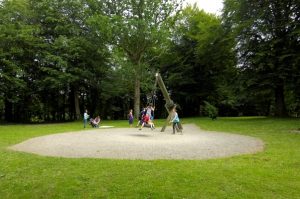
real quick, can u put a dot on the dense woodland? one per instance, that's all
(60, 57)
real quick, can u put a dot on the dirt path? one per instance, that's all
(130, 143)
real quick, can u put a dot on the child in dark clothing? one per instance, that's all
(141, 116)
(130, 118)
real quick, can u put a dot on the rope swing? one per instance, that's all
(152, 97)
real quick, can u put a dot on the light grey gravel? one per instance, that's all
(130, 143)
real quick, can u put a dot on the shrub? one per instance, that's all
(210, 110)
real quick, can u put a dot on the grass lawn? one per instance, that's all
(274, 173)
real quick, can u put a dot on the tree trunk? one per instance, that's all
(137, 95)
(280, 109)
(8, 111)
(77, 108)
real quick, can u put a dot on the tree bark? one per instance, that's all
(71, 104)
(137, 95)
(8, 111)
(77, 108)
(280, 109)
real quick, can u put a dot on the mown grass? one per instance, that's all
(273, 173)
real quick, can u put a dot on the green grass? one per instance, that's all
(273, 173)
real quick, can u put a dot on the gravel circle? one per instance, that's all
(130, 143)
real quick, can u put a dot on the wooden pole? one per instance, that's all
(168, 100)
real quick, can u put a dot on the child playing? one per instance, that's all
(96, 122)
(175, 121)
(141, 116)
(85, 118)
(130, 117)
(147, 121)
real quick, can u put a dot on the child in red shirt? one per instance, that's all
(146, 120)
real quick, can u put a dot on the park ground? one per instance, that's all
(273, 173)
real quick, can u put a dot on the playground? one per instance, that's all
(149, 99)
(128, 143)
(270, 173)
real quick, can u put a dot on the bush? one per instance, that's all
(210, 110)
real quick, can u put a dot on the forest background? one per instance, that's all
(58, 58)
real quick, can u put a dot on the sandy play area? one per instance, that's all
(130, 143)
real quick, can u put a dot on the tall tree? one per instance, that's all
(18, 44)
(267, 35)
(137, 26)
(51, 63)
(201, 62)
(73, 61)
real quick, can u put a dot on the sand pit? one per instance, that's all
(130, 143)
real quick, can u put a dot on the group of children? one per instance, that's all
(146, 118)
(93, 122)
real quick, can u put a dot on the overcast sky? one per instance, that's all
(212, 6)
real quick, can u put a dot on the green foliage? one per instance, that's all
(18, 44)
(267, 43)
(59, 57)
(138, 28)
(201, 62)
(56, 59)
(210, 110)
(273, 173)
